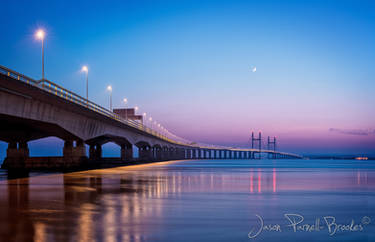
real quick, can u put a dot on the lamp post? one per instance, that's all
(135, 112)
(150, 119)
(86, 70)
(143, 119)
(40, 34)
(125, 100)
(109, 88)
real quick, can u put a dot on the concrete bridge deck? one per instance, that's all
(31, 110)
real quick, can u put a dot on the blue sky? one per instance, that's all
(188, 64)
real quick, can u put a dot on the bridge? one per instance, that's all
(34, 109)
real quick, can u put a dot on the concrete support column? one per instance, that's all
(175, 154)
(153, 153)
(99, 151)
(68, 148)
(145, 153)
(182, 154)
(126, 152)
(188, 153)
(95, 151)
(22, 151)
(199, 154)
(158, 153)
(74, 155)
(165, 154)
(171, 154)
(92, 152)
(80, 149)
(70, 151)
(16, 156)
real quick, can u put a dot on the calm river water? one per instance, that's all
(200, 200)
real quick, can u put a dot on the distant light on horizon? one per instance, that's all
(254, 69)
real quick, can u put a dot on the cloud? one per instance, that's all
(354, 131)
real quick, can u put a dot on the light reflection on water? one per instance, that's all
(203, 200)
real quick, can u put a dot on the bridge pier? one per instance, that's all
(126, 152)
(176, 154)
(189, 154)
(208, 154)
(172, 153)
(74, 156)
(164, 153)
(216, 155)
(17, 153)
(145, 153)
(95, 152)
(182, 153)
(198, 154)
(158, 153)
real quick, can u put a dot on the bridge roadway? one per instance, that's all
(31, 110)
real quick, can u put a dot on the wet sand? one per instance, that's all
(202, 200)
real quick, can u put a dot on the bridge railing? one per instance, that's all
(63, 93)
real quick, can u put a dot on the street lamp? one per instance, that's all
(144, 117)
(109, 88)
(40, 34)
(125, 100)
(150, 119)
(86, 70)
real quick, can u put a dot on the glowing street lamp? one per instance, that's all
(40, 34)
(86, 70)
(109, 88)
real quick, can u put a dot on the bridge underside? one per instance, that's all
(21, 129)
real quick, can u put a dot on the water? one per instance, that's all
(202, 200)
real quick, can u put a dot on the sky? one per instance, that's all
(189, 64)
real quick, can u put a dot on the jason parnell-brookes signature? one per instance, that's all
(295, 223)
